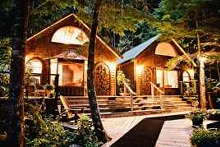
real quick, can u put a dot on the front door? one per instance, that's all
(102, 79)
(145, 79)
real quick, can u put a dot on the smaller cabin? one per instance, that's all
(146, 64)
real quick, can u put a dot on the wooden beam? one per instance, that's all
(182, 50)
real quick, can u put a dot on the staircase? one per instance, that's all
(120, 106)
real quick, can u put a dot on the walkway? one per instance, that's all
(175, 133)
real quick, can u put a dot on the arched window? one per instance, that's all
(70, 35)
(165, 49)
(34, 66)
(186, 76)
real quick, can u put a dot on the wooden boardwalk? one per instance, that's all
(117, 127)
(175, 133)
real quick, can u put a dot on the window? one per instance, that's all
(70, 35)
(167, 79)
(34, 66)
(165, 49)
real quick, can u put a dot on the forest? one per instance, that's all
(122, 24)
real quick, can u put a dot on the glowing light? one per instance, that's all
(70, 35)
(191, 73)
(112, 66)
(139, 69)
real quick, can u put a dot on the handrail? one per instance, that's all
(153, 86)
(129, 88)
(158, 89)
(131, 93)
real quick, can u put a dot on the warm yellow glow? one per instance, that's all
(34, 65)
(139, 69)
(191, 73)
(70, 35)
(112, 66)
(53, 66)
(165, 49)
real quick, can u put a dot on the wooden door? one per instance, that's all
(102, 79)
(145, 79)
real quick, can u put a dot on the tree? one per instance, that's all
(95, 114)
(194, 19)
(16, 101)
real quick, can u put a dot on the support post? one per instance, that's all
(57, 94)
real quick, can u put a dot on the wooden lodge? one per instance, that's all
(57, 57)
(62, 50)
(145, 65)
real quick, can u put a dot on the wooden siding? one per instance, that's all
(41, 47)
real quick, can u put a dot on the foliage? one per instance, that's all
(213, 114)
(85, 135)
(197, 117)
(203, 138)
(40, 131)
(212, 84)
(49, 87)
(5, 55)
(120, 77)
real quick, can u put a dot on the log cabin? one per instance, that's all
(145, 65)
(62, 49)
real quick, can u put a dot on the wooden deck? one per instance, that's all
(175, 133)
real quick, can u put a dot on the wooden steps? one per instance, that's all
(118, 106)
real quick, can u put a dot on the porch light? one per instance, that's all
(139, 69)
(112, 66)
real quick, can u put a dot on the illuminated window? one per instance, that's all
(186, 76)
(70, 35)
(159, 77)
(167, 79)
(34, 65)
(165, 49)
(171, 79)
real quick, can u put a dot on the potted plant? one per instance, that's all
(49, 88)
(197, 117)
(120, 81)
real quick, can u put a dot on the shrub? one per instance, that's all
(205, 138)
(40, 131)
(85, 135)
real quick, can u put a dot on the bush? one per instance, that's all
(85, 135)
(40, 131)
(205, 138)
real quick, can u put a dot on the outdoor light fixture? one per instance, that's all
(112, 66)
(139, 69)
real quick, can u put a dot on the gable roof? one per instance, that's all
(133, 53)
(116, 53)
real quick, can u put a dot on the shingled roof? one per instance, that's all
(134, 52)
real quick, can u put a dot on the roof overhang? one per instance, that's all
(117, 54)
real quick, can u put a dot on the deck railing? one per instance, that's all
(130, 92)
(161, 93)
(188, 88)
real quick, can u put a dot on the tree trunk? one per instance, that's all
(95, 113)
(202, 88)
(16, 101)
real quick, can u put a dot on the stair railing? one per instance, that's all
(161, 93)
(130, 92)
